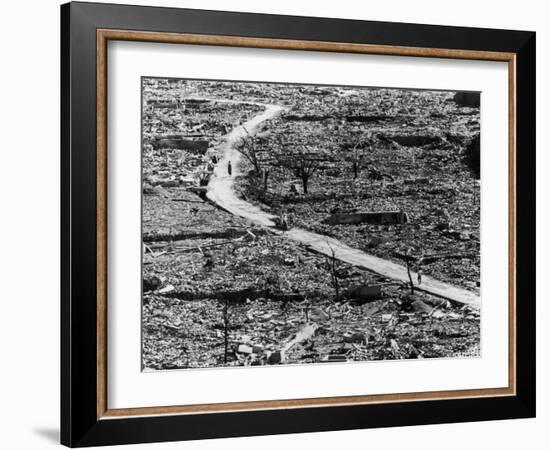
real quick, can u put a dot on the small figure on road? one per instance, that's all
(284, 222)
(229, 168)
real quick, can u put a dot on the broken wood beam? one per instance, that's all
(305, 333)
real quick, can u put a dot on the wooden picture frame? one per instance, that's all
(86, 418)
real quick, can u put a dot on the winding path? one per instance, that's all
(220, 191)
(220, 188)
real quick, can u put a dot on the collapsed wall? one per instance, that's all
(180, 143)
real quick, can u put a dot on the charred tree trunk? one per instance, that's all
(335, 279)
(305, 180)
(334, 273)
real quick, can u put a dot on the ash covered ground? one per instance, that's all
(391, 172)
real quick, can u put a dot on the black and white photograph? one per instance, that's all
(275, 225)
(294, 224)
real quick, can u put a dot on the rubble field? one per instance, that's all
(414, 161)
(220, 291)
(263, 289)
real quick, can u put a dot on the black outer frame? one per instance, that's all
(79, 424)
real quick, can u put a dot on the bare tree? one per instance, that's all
(411, 284)
(303, 162)
(358, 153)
(333, 267)
(249, 147)
(265, 177)
(411, 262)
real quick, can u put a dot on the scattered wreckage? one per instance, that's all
(218, 291)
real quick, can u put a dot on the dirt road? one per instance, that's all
(221, 192)
(220, 187)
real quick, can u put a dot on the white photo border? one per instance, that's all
(128, 387)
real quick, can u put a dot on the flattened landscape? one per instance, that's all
(290, 224)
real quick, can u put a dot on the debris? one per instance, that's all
(318, 315)
(151, 283)
(275, 358)
(420, 307)
(358, 338)
(375, 241)
(394, 346)
(245, 349)
(304, 334)
(365, 293)
(421, 180)
(413, 161)
(334, 358)
(437, 302)
(376, 218)
(180, 143)
(437, 314)
(245, 339)
(167, 289)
